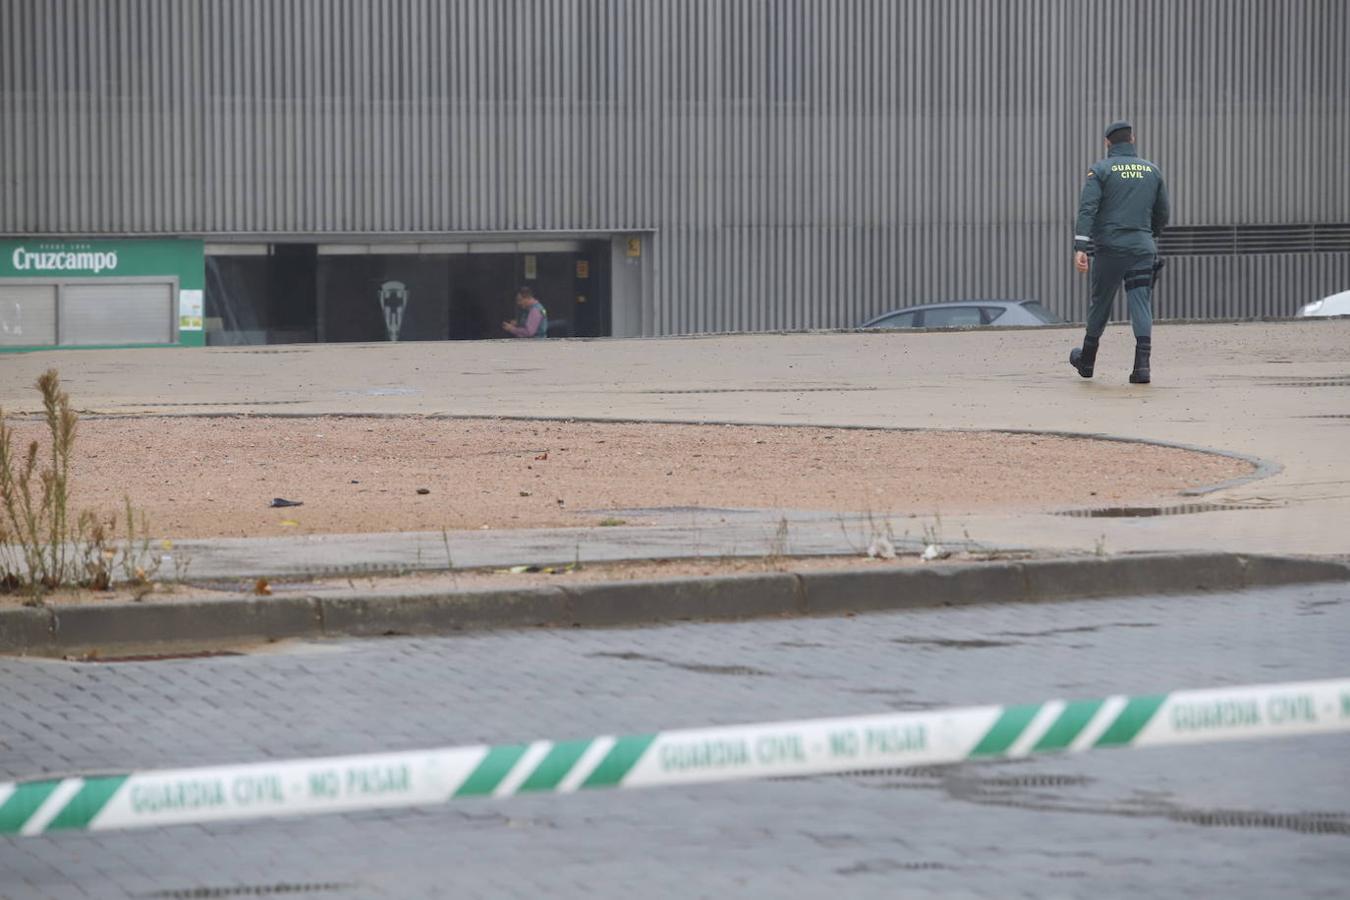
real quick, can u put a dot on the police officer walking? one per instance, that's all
(1122, 208)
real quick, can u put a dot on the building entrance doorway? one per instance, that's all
(404, 292)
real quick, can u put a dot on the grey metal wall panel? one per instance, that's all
(805, 163)
(1202, 287)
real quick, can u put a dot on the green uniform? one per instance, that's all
(1122, 208)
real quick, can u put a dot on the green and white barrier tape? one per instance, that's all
(690, 756)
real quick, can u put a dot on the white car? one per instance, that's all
(1335, 305)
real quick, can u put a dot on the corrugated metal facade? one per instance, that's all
(802, 163)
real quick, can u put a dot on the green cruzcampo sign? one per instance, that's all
(70, 262)
(52, 260)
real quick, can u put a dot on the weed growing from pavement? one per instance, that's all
(445, 541)
(878, 539)
(778, 544)
(932, 533)
(41, 548)
(932, 540)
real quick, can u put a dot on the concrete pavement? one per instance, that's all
(1279, 392)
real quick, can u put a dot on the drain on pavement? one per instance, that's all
(882, 866)
(247, 890)
(1143, 512)
(1306, 823)
(1335, 381)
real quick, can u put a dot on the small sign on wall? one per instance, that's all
(531, 267)
(189, 310)
(583, 268)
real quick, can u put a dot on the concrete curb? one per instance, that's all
(168, 628)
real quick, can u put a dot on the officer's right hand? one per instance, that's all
(1080, 261)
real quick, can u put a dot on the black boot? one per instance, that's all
(1143, 347)
(1085, 357)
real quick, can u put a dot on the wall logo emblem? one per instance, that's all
(393, 296)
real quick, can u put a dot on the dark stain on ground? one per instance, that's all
(803, 645)
(953, 643)
(1079, 629)
(898, 700)
(95, 657)
(1032, 792)
(701, 668)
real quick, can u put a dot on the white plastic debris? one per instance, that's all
(880, 548)
(934, 551)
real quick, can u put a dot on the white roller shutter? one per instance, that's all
(27, 315)
(117, 314)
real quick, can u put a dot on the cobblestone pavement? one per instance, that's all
(1255, 819)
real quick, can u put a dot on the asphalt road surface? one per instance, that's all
(1257, 819)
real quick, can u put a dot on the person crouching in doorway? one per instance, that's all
(531, 319)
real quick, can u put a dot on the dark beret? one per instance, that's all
(1116, 126)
